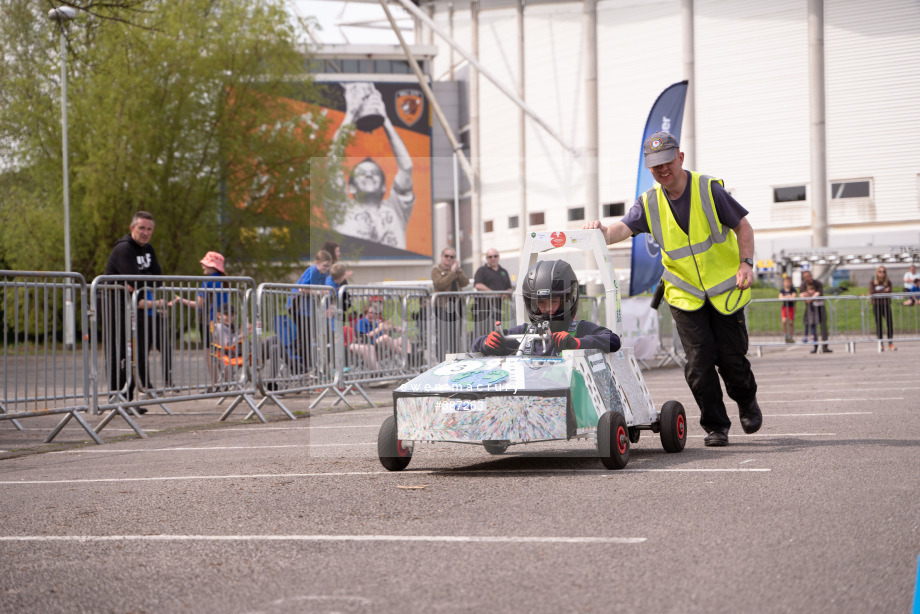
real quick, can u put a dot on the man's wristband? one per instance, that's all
(749, 261)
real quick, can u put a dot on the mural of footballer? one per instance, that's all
(369, 215)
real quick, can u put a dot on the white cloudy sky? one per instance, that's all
(333, 15)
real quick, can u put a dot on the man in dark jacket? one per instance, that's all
(134, 255)
(550, 295)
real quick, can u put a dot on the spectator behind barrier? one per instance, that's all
(880, 290)
(447, 276)
(815, 312)
(490, 277)
(227, 346)
(134, 255)
(209, 303)
(372, 337)
(299, 305)
(911, 284)
(787, 310)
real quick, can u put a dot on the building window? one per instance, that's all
(487, 226)
(537, 218)
(613, 209)
(513, 221)
(391, 67)
(851, 189)
(576, 214)
(351, 66)
(789, 194)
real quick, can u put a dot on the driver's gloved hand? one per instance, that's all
(565, 341)
(496, 345)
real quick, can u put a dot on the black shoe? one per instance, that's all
(751, 417)
(826, 349)
(716, 439)
(814, 350)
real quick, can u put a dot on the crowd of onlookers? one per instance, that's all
(368, 327)
(815, 313)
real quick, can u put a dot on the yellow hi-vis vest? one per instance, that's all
(702, 264)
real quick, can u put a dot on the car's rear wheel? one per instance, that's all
(613, 440)
(673, 421)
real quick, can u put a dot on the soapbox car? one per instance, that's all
(497, 401)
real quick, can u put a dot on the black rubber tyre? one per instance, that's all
(393, 455)
(496, 446)
(673, 423)
(613, 440)
(634, 433)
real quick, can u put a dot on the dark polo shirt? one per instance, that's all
(494, 280)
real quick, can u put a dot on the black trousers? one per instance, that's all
(882, 313)
(716, 344)
(116, 340)
(152, 332)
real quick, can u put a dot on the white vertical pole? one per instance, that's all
(818, 195)
(592, 189)
(522, 125)
(688, 130)
(450, 22)
(592, 198)
(69, 324)
(456, 207)
(475, 196)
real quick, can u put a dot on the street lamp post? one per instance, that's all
(61, 16)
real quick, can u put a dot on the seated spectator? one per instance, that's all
(227, 346)
(550, 295)
(912, 285)
(372, 338)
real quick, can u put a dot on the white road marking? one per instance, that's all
(298, 428)
(491, 539)
(444, 472)
(777, 435)
(210, 448)
(355, 412)
(806, 401)
(838, 413)
(761, 398)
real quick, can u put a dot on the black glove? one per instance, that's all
(565, 341)
(495, 344)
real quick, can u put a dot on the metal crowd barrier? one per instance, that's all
(828, 317)
(849, 320)
(905, 318)
(171, 339)
(670, 348)
(385, 335)
(298, 341)
(44, 372)
(459, 318)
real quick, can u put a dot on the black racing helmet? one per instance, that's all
(551, 279)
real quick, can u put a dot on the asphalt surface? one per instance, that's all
(818, 512)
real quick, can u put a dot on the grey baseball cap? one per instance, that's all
(659, 148)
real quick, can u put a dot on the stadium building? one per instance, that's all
(550, 99)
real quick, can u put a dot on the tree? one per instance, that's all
(198, 111)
